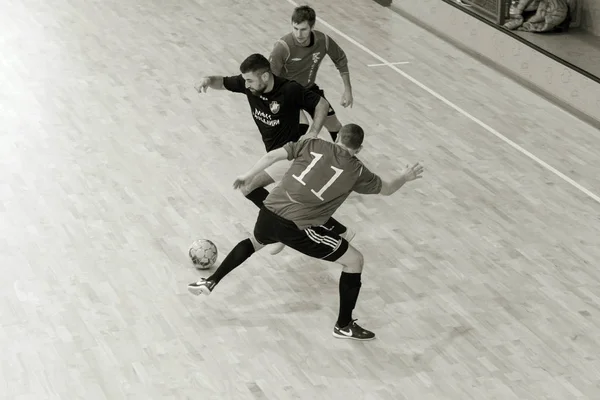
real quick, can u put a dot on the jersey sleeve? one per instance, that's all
(234, 83)
(294, 149)
(278, 57)
(338, 56)
(302, 97)
(367, 182)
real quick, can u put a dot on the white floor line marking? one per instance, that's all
(388, 64)
(460, 110)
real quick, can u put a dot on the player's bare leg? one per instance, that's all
(304, 123)
(255, 192)
(350, 282)
(333, 126)
(240, 253)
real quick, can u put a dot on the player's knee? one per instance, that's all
(353, 261)
(360, 262)
(333, 124)
(257, 245)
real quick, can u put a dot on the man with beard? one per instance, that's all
(275, 104)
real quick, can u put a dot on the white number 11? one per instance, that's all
(310, 166)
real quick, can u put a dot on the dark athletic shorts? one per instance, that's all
(316, 241)
(315, 88)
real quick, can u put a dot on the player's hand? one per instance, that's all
(309, 135)
(202, 85)
(412, 173)
(347, 99)
(240, 181)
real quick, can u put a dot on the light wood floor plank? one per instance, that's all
(481, 280)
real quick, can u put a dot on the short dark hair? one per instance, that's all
(256, 63)
(304, 13)
(352, 136)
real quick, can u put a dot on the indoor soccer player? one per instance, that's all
(298, 55)
(275, 104)
(321, 177)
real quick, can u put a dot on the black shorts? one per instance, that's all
(316, 241)
(315, 88)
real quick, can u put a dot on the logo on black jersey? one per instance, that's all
(274, 106)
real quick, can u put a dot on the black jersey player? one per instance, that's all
(275, 104)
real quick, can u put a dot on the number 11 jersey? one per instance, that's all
(320, 179)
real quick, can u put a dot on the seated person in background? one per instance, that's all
(550, 15)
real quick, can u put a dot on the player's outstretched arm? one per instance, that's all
(213, 82)
(409, 174)
(266, 161)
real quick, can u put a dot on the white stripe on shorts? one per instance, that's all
(326, 240)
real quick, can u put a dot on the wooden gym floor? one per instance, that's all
(481, 280)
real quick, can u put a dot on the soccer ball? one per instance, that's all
(203, 253)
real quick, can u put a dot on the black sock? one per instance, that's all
(333, 135)
(303, 129)
(257, 196)
(335, 226)
(240, 253)
(349, 288)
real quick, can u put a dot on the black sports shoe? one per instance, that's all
(203, 286)
(352, 331)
